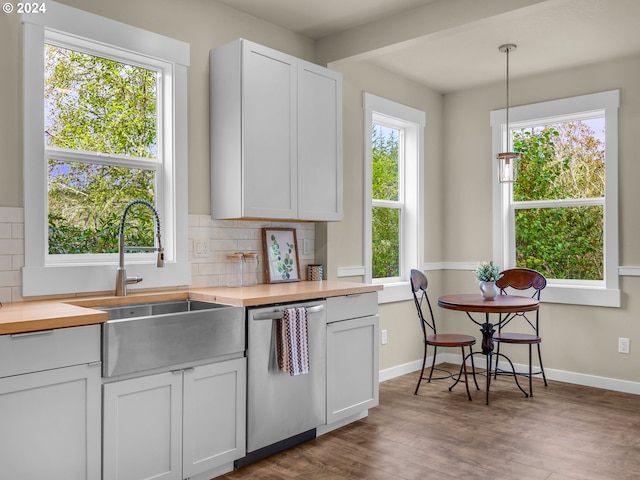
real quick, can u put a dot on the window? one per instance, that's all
(387, 202)
(393, 195)
(101, 130)
(105, 123)
(560, 217)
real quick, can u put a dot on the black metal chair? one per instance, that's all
(521, 279)
(419, 285)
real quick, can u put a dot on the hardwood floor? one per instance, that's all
(565, 432)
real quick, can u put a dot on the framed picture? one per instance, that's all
(281, 254)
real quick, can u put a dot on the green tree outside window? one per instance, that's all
(94, 104)
(560, 162)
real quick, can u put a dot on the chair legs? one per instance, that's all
(424, 361)
(433, 363)
(463, 369)
(544, 377)
(530, 374)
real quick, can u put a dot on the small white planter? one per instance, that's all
(489, 290)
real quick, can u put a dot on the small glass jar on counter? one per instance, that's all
(249, 269)
(234, 269)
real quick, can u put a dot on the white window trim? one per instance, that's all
(413, 122)
(605, 293)
(38, 278)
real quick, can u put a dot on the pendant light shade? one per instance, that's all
(507, 161)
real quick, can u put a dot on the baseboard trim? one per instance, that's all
(594, 381)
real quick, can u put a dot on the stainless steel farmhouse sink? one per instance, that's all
(162, 335)
(157, 308)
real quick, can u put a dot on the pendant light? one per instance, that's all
(507, 161)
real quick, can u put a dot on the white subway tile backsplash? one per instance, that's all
(5, 230)
(9, 278)
(5, 262)
(17, 230)
(227, 236)
(5, 295)
(11, 253)
(17, 262)
(11, 246)
(12, 214)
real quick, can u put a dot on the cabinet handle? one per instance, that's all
(32, 334)
(183, 370)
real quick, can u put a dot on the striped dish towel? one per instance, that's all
(293, 341)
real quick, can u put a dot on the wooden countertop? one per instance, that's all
(21, 317)
(264, 294)
(29, 316)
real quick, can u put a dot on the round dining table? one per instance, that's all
(502, 305)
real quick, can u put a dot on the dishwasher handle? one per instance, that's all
(277, 314)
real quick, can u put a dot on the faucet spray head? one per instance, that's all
(160, 262)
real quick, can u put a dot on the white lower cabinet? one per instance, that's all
(352, 355)
(50, 419)
(214, 421)
(175, 425)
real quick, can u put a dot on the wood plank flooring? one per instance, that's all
(565, 432)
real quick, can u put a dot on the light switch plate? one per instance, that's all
(201, 248)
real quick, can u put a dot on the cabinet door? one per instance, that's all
(352, 367)
(319, 143)
(142, 428)
(214, 415)
(269, 133)
(50, 424)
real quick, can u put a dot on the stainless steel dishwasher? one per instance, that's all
(283, 410)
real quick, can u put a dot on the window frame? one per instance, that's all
(74, 28)
(579, 292)
(412, 121)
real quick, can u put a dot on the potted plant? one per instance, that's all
(487, 274)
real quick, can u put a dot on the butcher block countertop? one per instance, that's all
(29, 316)
(264, 294)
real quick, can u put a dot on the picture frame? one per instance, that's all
(281, 254)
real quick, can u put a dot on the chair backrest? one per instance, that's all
(419, 283)
(522, 279)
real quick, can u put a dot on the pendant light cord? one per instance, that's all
(507, 146)
(506, 48)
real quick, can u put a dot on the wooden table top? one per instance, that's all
(473, 302)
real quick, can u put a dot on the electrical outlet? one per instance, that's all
(201, 248)
(623, 345)
(383, 337)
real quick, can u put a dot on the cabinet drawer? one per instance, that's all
(48, 349)
(352, 306)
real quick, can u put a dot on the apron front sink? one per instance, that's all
(163, 335)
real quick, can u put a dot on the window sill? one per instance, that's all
(394, 292)
(590, 296)
(58, 280)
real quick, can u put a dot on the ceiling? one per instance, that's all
(450, 45)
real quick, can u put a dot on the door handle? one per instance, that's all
(277, 314)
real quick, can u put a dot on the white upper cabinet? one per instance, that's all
(276, 135)
(319, 143)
